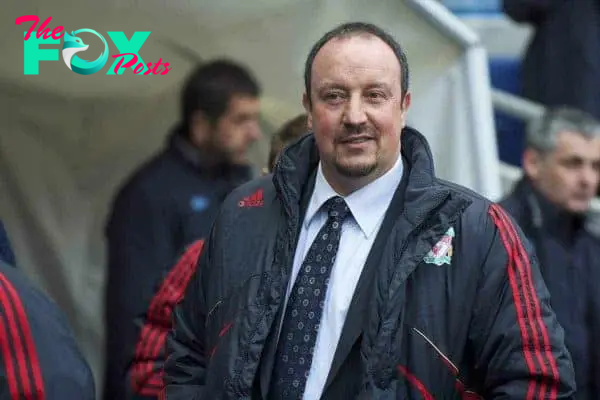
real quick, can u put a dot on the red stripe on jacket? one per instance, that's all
(413, 380)
(519, 267)
(18, 347)
(144, 379)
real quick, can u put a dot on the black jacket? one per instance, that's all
(39, 357)
(562, 60)
(6, 252)
(570, 264)
(168, 203)
(415, 329)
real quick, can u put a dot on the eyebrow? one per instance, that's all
(332, 85)
(380, 85)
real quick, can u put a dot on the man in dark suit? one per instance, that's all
(353, 272)
(551, 203)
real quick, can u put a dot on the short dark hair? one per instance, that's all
(292, 130)
(355, 29)
(210, 87)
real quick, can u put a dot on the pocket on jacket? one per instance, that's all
(225, 313)
(436, 368)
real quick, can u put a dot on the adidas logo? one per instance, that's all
(254, 200)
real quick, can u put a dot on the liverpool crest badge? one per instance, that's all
(441, 253)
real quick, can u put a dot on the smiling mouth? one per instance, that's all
(356, 140)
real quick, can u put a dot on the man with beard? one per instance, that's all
(353, 272)
(171, 202)
(562, 170)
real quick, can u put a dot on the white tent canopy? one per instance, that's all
(67, 140)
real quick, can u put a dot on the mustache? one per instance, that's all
(350, 132)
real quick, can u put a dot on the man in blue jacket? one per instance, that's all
(172, 200)
(353, 272)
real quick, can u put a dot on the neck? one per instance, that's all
(201, 155)
(212, 156)
(561, 222)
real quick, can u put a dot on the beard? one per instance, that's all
(356, 169)
(224, 154)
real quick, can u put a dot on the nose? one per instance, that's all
(354, 112)
(254, 132)
(589, 176)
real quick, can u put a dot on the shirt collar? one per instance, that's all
(368, 204)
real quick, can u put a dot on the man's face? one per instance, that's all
(237, 129)
(357, 111)
(569, 175)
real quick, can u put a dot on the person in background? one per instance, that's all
(561, 166)
(562, 61)
(6, 252)
(353, 272)
(172, 200)
(145, 372)
(291, 131)
(39, 357)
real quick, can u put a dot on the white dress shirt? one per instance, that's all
(368, 206)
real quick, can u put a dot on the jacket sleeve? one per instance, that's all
(517, 342)
(185, 366)
(145, 372)
(34, 334)
(140, 239)
(594, 325)
(20, 363)
(529, 11)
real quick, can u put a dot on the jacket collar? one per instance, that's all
(367, 204)
(422, 210)
(299, 162)
(547, 215)
(197, 159)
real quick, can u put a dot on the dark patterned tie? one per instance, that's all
(305, 306)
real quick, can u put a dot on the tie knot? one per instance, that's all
(337, 208)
